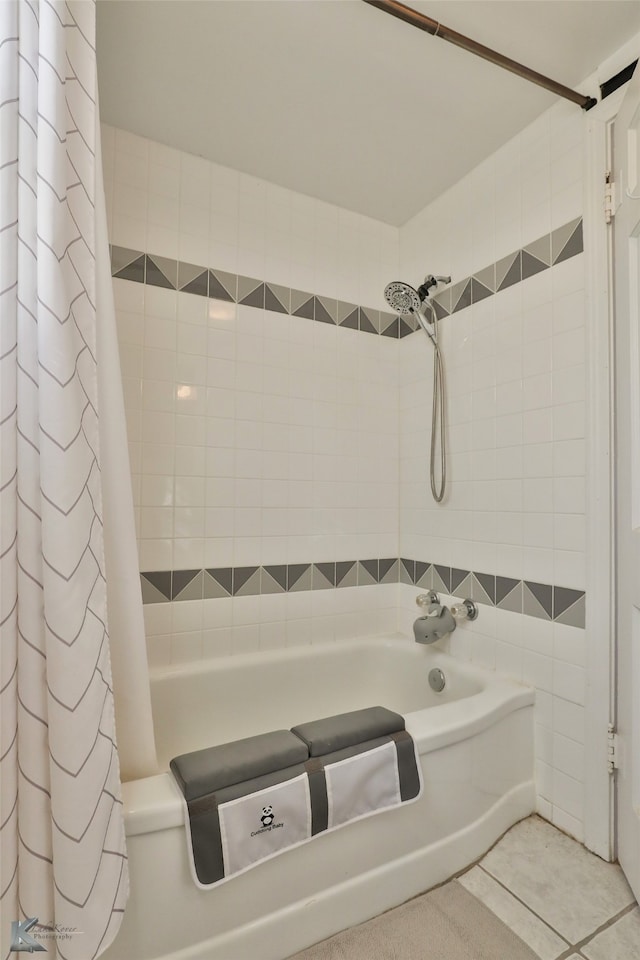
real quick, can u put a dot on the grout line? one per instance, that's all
(604, 926)
(560, 956)
(572, 948)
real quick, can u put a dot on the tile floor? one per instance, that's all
(563, 901)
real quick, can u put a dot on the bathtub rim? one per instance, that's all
(155, 803)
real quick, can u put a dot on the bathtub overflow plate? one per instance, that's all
(437, 680)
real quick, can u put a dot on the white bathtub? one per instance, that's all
(476, 745)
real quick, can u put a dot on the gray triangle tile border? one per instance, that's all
(346, 573)
(246, 581)
(531, 605)
(323, 576)
(407, 571)
(544, 601)
(122, 257)
(561, 235)
(367, 572)
(561, 244)
(273, 579)
(424, 575)
(161, 272)
(223, 286)
(150, 592)
(135, 270)
(513, 599)
(218, 582)
(298, 577)
(187, 585)
(277, 298)
(575, 615)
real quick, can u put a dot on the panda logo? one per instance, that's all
(267, 817)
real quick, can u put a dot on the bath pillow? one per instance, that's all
(347, 729)
(204, 771)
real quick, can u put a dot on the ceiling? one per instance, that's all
(337, 100)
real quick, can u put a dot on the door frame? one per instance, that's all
(600, 657)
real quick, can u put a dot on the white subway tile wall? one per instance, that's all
(263, 438)
(255, 437)
(515, 372)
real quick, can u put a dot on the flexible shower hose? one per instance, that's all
(437, 420)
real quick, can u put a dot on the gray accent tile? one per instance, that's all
(461, 295)
(487, 277)
(457, 578)
(161, 580)
(479, 291)
(442, 303)
(484, 588)
(512, 600)
(323, 576)
(223, 286)
(561, 236)
(246, 581)
(193, 279)
(302, 304)
(273, 579)
(543, 592)
(540, 249)
(441, 578)
(121, 257)
(347, 315)
(388, 570)
(504, 585)
(574, 616)
(298, 577)
(151, 593)
(367, 572)
(407, 571)
(218, 582)
(392, 331)
(326, 310)
(277, 298)
(508, 271)
(424, 575)
(573, 246)
(187, 585)
(465, 588)
(251, 292)
(405, 328)
(531, 605)
(161, 272)
(531, 265)
(133, 271)
(563, 597)
(368, 320)
(346, 573)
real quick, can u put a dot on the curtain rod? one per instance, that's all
(422, 22)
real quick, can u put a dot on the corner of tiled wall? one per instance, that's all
(513, 335)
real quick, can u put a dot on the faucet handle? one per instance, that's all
(427, 599)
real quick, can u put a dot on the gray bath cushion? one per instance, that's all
(204, 771)
(346, 729)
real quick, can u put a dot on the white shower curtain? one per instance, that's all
(62, 850)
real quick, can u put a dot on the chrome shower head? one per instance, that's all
(402, 298)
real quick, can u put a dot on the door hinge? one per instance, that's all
(613, 749)
(609, 199)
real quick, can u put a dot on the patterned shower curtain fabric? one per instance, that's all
(63, 871)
